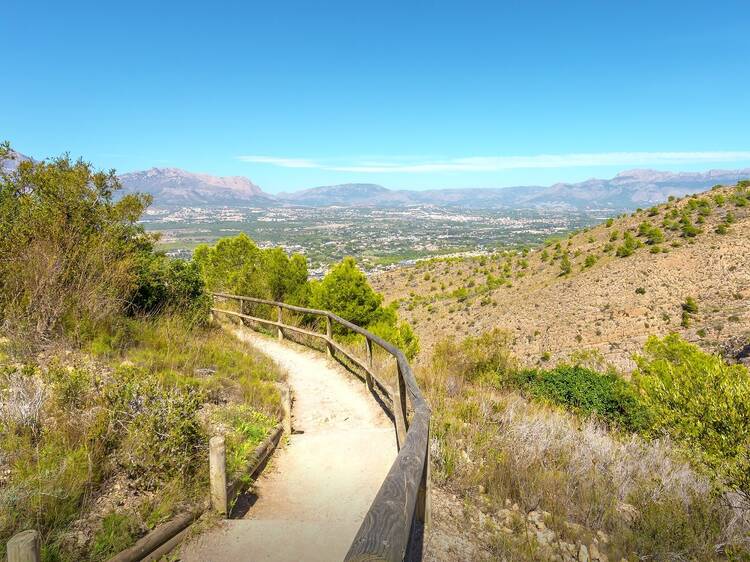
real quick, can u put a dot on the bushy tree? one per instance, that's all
(170, 285)
(68, 250)
(237, 265)
(346, 292)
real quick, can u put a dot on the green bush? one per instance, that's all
(237, 265)
(605, 395)
(346, 292)
(629, 245)
(160, 433)
(67, 249)
(702, 402)
(170, 285)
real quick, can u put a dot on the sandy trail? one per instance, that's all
(313, 496)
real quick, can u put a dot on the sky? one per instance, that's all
(406, 94)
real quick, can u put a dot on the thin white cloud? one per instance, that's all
(499, 163)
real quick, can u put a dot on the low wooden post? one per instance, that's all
(217, 465)
(280, 319)
(399, 409)
(329, 335)
(24, 547)
(368, 373)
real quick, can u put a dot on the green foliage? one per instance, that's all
(565, 266)
(629, 245)
(588, 392)
(67, 249)
(236, 265)
(690, 306)
(702, 402)
(653, 234)
(116, 534)
(689, 230)
(346, 292)
(157, 424)
(170, 285)
(399, 334)
(589, 261)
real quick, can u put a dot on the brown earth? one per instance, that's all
(597, 308)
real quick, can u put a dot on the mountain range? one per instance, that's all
(627, 190)
(174, 188)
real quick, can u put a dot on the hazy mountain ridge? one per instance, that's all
(174, 187)
(627, 190)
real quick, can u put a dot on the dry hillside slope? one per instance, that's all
(607, 302)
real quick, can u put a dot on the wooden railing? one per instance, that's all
(394, 526)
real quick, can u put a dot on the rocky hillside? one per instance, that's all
(172, 187)
(681, 266)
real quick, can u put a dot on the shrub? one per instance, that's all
(589, 261)
(161, 437)
(170, 285)
(565, 266)
(690, 306)
(67, 249)
(605, 395)
(484, 357)
(629, 245)
(702, 402)
(237, 265)
(346, 292)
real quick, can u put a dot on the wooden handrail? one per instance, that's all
(394, 525)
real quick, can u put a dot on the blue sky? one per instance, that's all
(406, 94)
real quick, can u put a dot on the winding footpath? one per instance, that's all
(320, 482)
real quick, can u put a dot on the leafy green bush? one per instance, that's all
(565, 266)
(237, 265)
(629, 245)
(67, 249)
(346, 292)
(605, 395)
(702, 402)
(170, 285)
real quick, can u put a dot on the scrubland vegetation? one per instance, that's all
(649, 468)
(111, 377)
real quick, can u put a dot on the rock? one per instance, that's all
(583, 553)
(628, 512)
(603, 537)
(595, 554)
(204, 372)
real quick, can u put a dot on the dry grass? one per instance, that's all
(494, 447)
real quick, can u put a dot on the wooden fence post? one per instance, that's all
(280, 319)
(24, 547)
(368, 375)
(217, 463)
(329, 335)
(399, 409)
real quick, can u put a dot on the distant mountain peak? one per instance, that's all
(177, 187)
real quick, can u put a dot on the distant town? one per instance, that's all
(380, 238)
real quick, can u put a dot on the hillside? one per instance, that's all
(613, 304)
(172, 187)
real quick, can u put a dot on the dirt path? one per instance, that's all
(314, 494)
